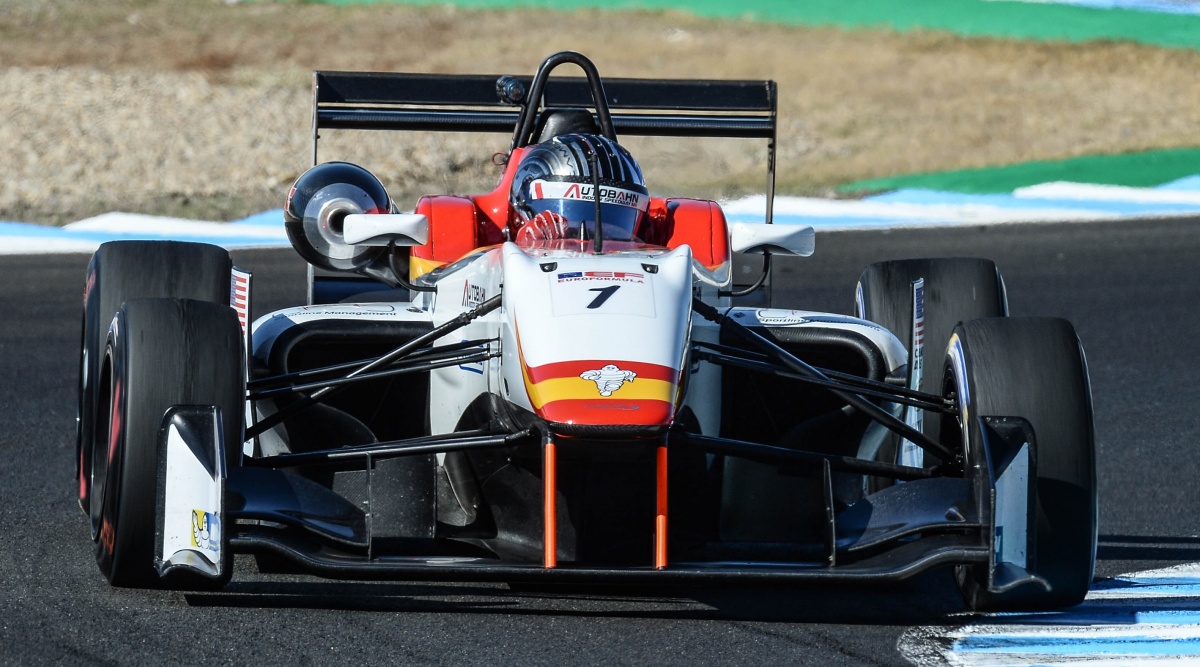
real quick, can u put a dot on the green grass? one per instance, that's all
(1133, 169)
(973, 18)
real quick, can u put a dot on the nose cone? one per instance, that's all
(599, 339)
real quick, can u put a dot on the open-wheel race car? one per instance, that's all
(559, 381)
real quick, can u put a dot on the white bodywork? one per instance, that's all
(581, 339)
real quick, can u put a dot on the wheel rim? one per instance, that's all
(955, 383)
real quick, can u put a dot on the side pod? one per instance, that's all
(189, 530)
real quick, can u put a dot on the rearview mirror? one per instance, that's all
(757, 238)
(380, 229)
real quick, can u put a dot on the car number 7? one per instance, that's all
(604, 294)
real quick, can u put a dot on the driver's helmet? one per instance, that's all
(554, 181)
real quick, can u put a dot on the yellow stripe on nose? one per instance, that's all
(577, 388)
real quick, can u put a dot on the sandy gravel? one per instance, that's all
(76, 133)
(82, 140)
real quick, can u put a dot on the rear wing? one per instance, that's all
(485, 103)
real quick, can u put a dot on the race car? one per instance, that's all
(559, 381)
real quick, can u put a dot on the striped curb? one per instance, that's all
(1144, 618)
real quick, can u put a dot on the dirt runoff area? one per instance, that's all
(201, 108)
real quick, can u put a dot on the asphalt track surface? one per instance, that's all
(1131, 288)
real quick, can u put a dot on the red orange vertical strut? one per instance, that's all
(660, 518)
(549, 506)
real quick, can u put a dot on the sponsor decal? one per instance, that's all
(613, 405)
(355, 307)
(83, 479)
(780, 317)
(607, 276)
(114, 424)
(586, 192)
(919, 314)
(910, 453)
(107, 535)
(609, 378)
(473, 295)
(206, 530)
(341, 310)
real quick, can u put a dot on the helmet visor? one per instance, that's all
(622, 206)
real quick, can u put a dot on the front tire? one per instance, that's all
(124, 270)
(1033, 368)
(159, 353)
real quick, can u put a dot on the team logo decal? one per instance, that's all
(540, 189)
(608, 276)
(206, 530)
(770, 317)
(609, 378)
(473, 295)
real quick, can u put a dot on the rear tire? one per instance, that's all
(159, 353)
(957, 289)
(1033, 368)
(124, 270)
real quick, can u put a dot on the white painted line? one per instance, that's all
(42, 246)
(261, 231)
(1156, 6)
(836, 215)
(135, 224)
(1092, 192)
(810, 206)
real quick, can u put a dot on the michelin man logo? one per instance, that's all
(608, 379)
(206, 530)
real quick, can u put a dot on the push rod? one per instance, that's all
(833, 383)
(846, 378)
(423, 365)
(885, 419)
(433, 334)
(309, 373)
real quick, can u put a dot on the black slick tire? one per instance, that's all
(124, 270)
(957, 289)
(158, 353)
(1033, 368)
